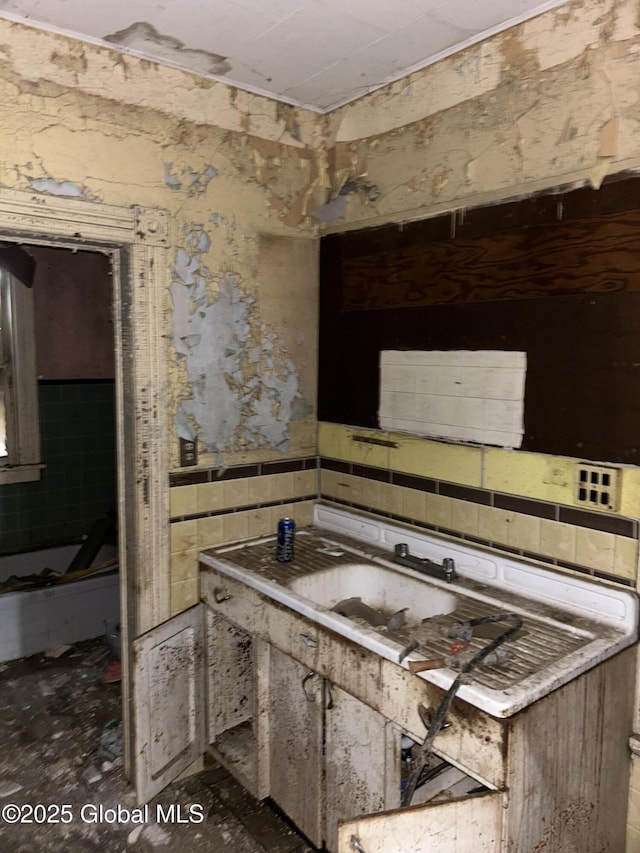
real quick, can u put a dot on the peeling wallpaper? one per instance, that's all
(242, 390)
(234, 172)
(553, 100)
(249, 183)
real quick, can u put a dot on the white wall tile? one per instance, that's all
(462, 395)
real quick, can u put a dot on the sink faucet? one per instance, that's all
(445, 570)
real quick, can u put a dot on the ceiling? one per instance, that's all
(312, 53)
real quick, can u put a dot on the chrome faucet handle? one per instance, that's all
(449, 567)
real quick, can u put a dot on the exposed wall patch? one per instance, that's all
(188, 179)
(170, 178)
(64, 189)
(73, 60)
(243, 389)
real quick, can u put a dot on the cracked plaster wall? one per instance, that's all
(237, 173)
(553, 100)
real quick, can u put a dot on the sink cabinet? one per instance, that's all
(332, 757)
(313, 720)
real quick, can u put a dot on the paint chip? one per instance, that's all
(64, 189)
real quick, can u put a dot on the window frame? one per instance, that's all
(19, 380)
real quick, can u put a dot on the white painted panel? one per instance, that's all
(295, 734)
(34, 620)
(169, 701)
(361, 762)
(475, 396)
(461, 826)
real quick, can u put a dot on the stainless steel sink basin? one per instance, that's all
(380, 588)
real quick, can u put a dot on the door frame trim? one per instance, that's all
(138, 240)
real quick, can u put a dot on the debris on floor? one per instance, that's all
(111, 740)
(57, 651)
(62, 783)
(113, 672)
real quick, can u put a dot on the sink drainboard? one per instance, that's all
(538, 645)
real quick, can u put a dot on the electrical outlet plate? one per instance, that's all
(188, 452)
(597, 486)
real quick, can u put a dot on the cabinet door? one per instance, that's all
(362, 761)
(235, 714)
(168, 700)
(295, 736)
(471, 823)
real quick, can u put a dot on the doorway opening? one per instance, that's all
(137, 240)
(58, 538)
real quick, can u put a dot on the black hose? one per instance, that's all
(445, 704)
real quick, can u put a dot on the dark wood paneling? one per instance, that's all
(581, 335)
(583, 375)
(596, 255)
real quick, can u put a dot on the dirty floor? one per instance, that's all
(62, 786)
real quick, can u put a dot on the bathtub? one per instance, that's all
(33, 621)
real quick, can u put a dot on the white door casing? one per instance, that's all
(137, 239)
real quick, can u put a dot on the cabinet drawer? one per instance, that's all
(233, 600)
(296, 636)
(352, 668)
(474, 740)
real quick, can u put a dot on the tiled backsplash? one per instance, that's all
(573, 539)
(213, 507)
(517, 502)
(78, 485)
(513, 501)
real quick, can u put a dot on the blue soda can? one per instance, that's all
(286, 533)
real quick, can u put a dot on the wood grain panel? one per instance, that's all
(74, 324)
(566, 293)
(596, 255)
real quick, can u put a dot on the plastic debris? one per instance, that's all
(111, 740)
(134, 835)
(8, 788)
(113, 672)
(107, 766)
(461, 631)
(329, 551)
(57, 651)
(397, 620)
(91, 775)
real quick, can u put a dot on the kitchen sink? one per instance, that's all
(379, 588)
(570, 623)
